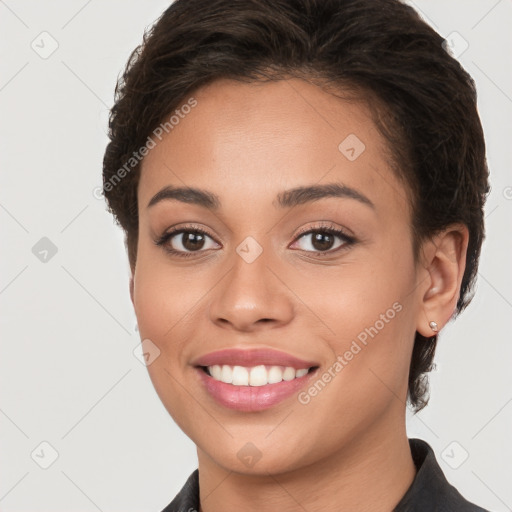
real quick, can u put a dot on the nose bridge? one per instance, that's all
(250, 292)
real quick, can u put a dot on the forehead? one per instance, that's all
(263, 137)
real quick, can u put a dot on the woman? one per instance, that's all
(301, 184)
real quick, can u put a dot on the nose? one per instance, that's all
(252, 296)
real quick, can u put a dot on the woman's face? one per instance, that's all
(271, 280)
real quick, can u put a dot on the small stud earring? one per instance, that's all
(433, 326)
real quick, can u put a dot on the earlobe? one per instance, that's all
(445, 266)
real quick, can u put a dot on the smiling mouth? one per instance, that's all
(259, 375)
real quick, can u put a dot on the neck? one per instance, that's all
(370, 474)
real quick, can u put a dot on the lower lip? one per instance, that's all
(252, 398)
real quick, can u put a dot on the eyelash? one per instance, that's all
(330, 229)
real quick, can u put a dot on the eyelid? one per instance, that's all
(326, 226)
(333, 230)
(175, 230)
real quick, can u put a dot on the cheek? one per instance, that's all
(369, 309)
(355, 295)
(164, 305)
(165, 299)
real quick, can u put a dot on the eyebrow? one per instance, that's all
(286, 199)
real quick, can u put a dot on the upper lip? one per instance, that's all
(252, 357)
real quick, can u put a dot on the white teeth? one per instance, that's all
(275, 375)
(258, 376)
(216, 371)
(255, 376)
(240, 376)
(289, 373)
(227, 374)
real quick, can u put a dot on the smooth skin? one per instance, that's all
(346, 449)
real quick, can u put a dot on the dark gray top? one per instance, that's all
(429, 492)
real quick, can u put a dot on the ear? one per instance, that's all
(444, 263)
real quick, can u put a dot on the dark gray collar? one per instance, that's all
(429, 492)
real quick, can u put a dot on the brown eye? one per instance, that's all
(324, 240)
(192, 241)
(186, 242)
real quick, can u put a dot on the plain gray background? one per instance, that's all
(68, 375)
